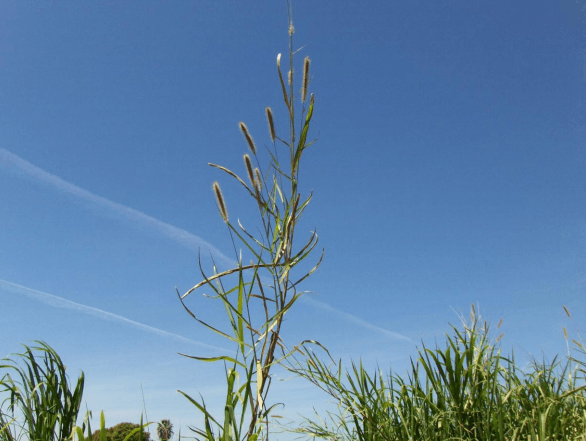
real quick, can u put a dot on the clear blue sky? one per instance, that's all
(450, 170)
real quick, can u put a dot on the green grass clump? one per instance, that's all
(39, 404)
(466, 390)
(39, 390)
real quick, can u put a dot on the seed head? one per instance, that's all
(290, 76)
(249, 140)
(249, 169)
(565, 333)
(271, 123)
(258, 179)
(291, 28)
(567, 312)
(220, 200)
(305, 78)
(500, 323)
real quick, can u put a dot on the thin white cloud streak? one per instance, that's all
(59, 302)
(352, 318)
(180, 236)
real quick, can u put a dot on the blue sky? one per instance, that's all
(449, 170)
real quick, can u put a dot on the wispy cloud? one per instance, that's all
(182, 237)
(352, 318)
(59, 302)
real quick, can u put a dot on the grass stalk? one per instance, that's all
(257, 296)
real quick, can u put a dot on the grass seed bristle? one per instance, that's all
(305, 78)
(271, 123)
(249, 140)
(221, 203)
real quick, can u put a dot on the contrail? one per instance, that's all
(180, 236)
(358, 321)
(59, 302)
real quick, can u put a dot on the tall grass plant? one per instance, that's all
(264, 284)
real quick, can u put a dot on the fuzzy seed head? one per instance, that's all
(565, 333)
(291, 28)
(249, 140)
(249, 171)
(290, 77)
(500, 323)
(271, 123)
(220, 200)
(305, 78)
(567, 312)
(258, 179)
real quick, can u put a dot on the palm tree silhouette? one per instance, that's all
(165, 430)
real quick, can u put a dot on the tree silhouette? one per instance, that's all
(165, 430)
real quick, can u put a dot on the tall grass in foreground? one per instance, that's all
(263, 286)
(464, 391)
(40, 405)
(41, 394)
